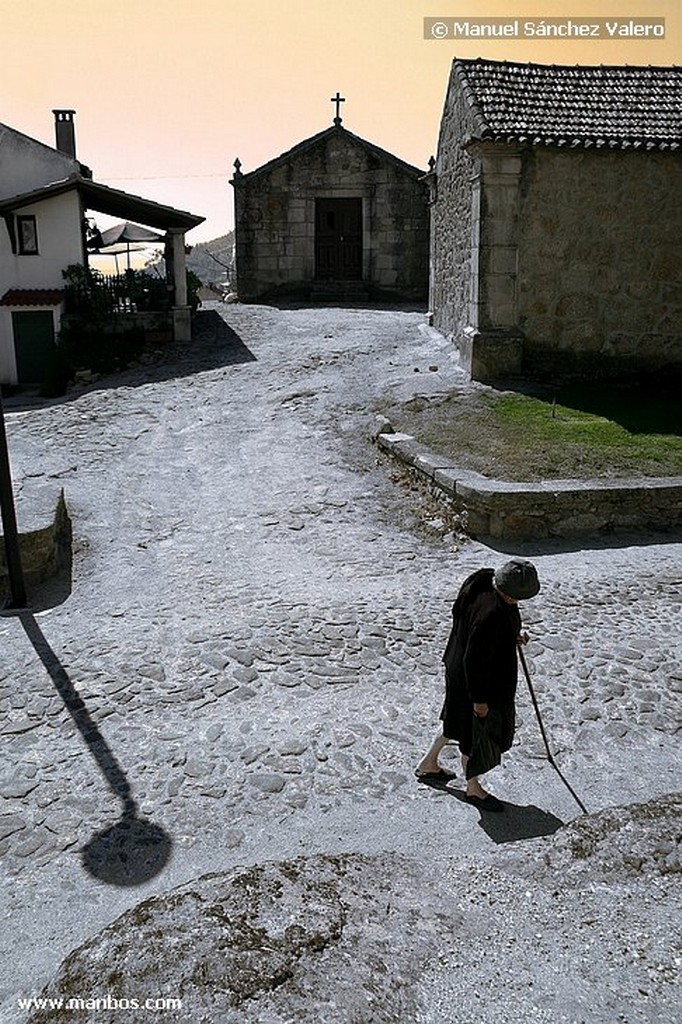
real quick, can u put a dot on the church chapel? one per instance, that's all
(335, 219)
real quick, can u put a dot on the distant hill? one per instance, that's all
(208, 260)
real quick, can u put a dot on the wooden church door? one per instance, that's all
(338, 239)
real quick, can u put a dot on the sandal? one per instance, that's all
(485, 803)
(442, 775)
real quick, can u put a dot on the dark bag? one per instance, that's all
(486, 745)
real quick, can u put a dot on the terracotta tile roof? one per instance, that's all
(32, 297)
(625, 107)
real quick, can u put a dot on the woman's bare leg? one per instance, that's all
(429, 763)
(474, 787)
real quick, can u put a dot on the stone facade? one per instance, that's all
(549, 253)
(454, 222)
(475, 223)
(275, 218)
(599, 259)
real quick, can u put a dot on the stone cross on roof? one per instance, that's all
(338, 100)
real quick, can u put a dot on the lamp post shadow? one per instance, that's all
(133, 850)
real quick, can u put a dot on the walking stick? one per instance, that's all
(550, 757)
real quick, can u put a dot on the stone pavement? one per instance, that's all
(249, 657)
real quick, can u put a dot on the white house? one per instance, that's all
(44, 195)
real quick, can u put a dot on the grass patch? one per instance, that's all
(582, 431)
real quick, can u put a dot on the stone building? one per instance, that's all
(334, 218)
(556, 218)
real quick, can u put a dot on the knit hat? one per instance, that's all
(517, 579)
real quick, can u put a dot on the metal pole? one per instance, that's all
(9, 523)
(550, 758)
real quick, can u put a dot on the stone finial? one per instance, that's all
(237, 168)
(432, 164)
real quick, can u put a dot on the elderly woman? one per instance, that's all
(480, 669)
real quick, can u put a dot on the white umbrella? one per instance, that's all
(123, 234)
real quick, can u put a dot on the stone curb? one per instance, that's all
(549, 508)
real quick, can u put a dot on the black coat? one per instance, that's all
(480, 659)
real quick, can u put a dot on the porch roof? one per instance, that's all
(111, 201)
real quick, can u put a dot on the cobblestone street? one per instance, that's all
(250, 651)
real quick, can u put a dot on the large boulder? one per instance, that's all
(324, 938)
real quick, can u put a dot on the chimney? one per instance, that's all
(65, 132)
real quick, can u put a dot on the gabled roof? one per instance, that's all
(624, 107)
(51, 151)
(111, 201)
(328, 133)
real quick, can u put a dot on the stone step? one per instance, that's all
(339, 291)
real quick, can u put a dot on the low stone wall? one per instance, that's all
(44, 536)
(505, 510)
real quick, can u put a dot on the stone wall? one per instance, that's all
(504, 510)
(275, 218)
(45, 536)
(600, 259)
(453, 220)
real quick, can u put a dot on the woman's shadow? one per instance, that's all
(516, 822)
(133, 850)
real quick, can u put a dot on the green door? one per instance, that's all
(33, 343)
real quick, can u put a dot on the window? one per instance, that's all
(27, 235)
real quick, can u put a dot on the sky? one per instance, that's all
(168, 93)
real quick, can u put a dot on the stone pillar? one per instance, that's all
(182, 314)
(242, 268)
(177, 240)
(431, 181)
(493, 343)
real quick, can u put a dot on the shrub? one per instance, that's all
(83, 344)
